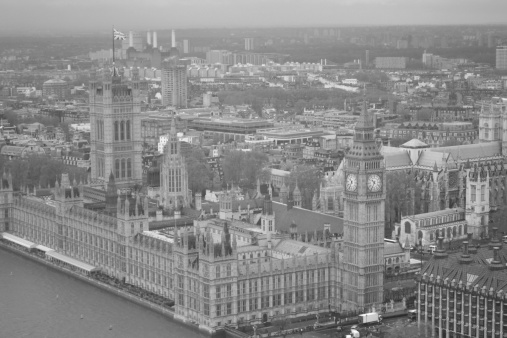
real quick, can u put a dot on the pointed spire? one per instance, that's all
(407, 244)
(435, 168)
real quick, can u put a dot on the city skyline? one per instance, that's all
(74, 16)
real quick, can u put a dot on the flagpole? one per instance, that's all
(113, 45)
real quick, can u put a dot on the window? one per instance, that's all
(127, 127)
(473, 191)
(229, 308)
(483, 190)
(206, 309)
(408, 228)
(229, 290)
(219, 310)
(218, 271)
(116, 131)
(122, 130)
(218, 291)
(117, 168)
(129, 168)
(206, 291)
(123, 168)
(229, 270)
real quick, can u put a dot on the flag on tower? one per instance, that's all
(118, 35)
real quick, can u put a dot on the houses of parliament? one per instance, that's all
(221, 270)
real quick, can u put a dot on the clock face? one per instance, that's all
(374, 183)
(351, 182)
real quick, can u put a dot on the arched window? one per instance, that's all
(123, 167)
(122, 130)
(495, 132)
(397, 259)
(486, 131)
(432, 236)
(117, 168)
(127, 127)
(408, 228)
(454, 232)
(459, 230)
(420, 235)
(449, 232)
(116, 131)
(129, 168)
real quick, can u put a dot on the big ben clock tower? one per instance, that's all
(363, 240)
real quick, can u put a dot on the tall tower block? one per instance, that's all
(363, 240)
(115, 130)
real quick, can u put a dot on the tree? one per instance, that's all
(300, 106)
(308, 180)
(396, 142)
(257, 106)
(243, 168)
(400, 188)
(199, 175)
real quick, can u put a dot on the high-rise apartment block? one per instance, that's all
(174, 85)
(249, 43)
(501, 57)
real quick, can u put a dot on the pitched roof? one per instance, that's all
(429, 158)
(306, 220)
(472, 151)
(392, 248)
(399, 159)
(477, 272)
(298, 248)
(414, 143)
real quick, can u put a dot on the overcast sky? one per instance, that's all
(77, 15)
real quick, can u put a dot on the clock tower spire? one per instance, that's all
(363, 240)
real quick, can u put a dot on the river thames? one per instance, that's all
(36, 301)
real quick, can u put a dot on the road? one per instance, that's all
(387, 325)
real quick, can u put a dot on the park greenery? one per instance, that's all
(244, 168)
(39, 171)
(281, 99)
(401, 189)
(308, 179)
(200, 176)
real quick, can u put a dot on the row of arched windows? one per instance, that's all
(123, 168)
(122, 130)
(496, 131)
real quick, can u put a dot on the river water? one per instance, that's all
(39, 302)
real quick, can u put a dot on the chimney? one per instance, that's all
(148, 38)
(465, 257)
(155, 41)
(290, 203)
(494, 242)
(471, 248)
(496, 263)
(173, 39)
(440, 252)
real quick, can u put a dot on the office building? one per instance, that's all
(464, 294)
(55, 88)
